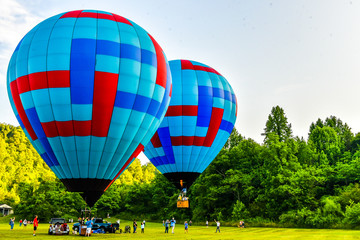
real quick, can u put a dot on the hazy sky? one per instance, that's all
(301, 55)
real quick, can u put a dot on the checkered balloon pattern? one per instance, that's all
(198, 122)
(89, 88)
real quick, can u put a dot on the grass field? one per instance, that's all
(155, 231)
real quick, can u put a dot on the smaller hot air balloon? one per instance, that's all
(89, 88)
(197, 124)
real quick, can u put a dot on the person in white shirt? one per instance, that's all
(217, 226)
(142, 227)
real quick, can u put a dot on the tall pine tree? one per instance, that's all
(277, 123)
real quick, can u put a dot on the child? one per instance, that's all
(186, 227)
(167, 226)
(142, 227)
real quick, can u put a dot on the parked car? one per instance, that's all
(100, 224)
(58, 226)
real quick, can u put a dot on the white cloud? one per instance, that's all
(15, 22)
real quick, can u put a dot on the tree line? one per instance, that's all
(283, 181)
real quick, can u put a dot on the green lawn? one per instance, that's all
(155, 231)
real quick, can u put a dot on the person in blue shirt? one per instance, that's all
(12, 222)
(172, 225)
(167, 226)
(88, 223)
(184, 191)
(186, 227)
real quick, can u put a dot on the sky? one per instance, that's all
(301, 55)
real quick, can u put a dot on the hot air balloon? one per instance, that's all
(198, 122)
(89, 88)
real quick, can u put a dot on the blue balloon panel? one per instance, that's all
(198, 122)
(89, 88)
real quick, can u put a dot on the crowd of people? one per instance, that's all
(21, 222)
(89, 222)
(57, 228)
(170, 223)
(25, 223)
(182, 195)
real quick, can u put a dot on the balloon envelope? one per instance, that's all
(198, 122)
(89, 88)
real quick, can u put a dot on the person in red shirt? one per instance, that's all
(36, 224)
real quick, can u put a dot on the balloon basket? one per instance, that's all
(183, 204)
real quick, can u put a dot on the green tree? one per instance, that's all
(355, 143)
(280, 164)
(287, 180)
(325, 139)
(342, 130)
(352, 214)
(277, 123)
(239, 211)
(234, 139)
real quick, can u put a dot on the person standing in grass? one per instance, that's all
(217, 226)
(172, 225)
(12, 223)
(25, 222)
(20, 222)
(88, 227)
(134, 226)
(186, 227)
(36, 224)
(207, 223)
(167, 226)
(142, 227)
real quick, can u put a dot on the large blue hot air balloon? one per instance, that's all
(89, 88)
(198, 122)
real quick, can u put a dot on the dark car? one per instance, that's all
(58, 226)
(100, 224)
